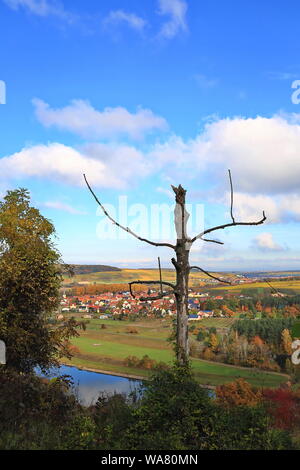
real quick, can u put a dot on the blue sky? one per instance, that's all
(141, 95)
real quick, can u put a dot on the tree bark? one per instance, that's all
(181, 264)
(181, 295)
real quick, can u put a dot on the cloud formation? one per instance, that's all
(58, 162)
(262, 153)
(176, 11)
(265, 242)
(42, 8)
(61, 206)
(120, 16)
(81, 118)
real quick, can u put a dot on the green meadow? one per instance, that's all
(106, 348)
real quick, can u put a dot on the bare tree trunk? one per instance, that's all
(182, 267)
(181, 296)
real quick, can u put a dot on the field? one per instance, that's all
(216, 322)
(106, 348)
(288, 286)
(128, 275)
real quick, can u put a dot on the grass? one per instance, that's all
(216, 322)
(106, 349)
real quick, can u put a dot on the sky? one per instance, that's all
(140, 96)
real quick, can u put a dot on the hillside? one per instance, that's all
(92, 268)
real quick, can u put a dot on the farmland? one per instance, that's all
(290, 286)
(105, 348)
(127, 275)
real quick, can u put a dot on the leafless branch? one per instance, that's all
(272, 288)
(159, 296)
(127, 229)
(212, 241)
(231, 224)
(210, 275)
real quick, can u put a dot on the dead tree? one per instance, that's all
(180, 262)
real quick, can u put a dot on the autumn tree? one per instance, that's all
(238, 393)
(286, 341)
(213, 341)
(30, 277)
(182, 249)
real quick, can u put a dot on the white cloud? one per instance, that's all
(278, 208)
(82, 119)
(104, 165)
(58, 205)
(262, 153)
(265, 242)
(248, 208)
(165, 191)
(290, 206)
(176, 10)
(131, 19)
(41, 8)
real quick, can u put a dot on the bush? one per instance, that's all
(112, 416)
(36, 413)
(176, 413)
(145, 363)
(171, 412)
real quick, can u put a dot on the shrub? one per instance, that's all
(238, 393)
(175, 413)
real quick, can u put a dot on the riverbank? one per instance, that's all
(207, 373)
(122, 375)
(105, 372)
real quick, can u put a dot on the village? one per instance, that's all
(83, 298)
(110, 305)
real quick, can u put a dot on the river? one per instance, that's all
(89, 385)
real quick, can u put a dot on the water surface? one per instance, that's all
(89, 385)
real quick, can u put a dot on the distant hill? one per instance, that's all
(92, 268)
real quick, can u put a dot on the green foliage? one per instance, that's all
(172, 412)
(176, 413)
(39, 414)
(268, 329)
(245, 428)
(202, 334)
(145, 363)
(112, 416)
(79, 434)
(30, 277)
